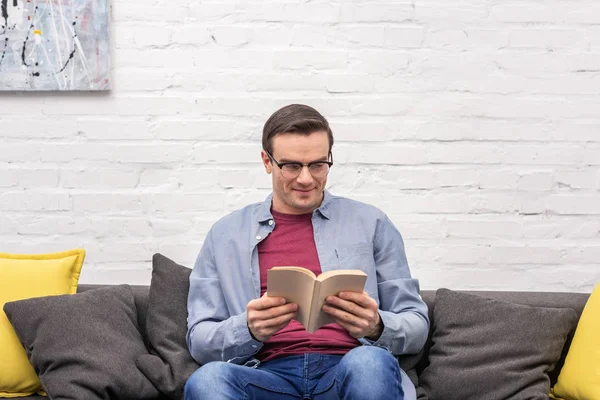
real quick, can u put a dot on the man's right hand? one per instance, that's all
(268, 315)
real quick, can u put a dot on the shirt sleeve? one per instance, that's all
(213, 334)
(402, 310)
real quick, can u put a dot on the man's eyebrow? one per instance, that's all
(287, 160)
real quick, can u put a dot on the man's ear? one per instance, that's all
(266, 161)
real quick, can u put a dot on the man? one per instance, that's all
(249, 344)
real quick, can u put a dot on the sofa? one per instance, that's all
(416, 365)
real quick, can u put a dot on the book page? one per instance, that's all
(300, 269)
(295, 285)
(329, 274)
(347, 281)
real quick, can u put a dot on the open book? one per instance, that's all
(301, 286)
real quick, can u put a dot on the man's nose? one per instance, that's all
(305, 176)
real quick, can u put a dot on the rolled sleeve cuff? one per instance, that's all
(385, 339)
(403, 333)
(247, 345)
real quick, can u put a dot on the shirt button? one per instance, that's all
(270, 222)
(258, 238)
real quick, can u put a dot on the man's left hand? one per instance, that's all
(357, 313)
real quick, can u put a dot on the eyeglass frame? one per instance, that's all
(307, 165)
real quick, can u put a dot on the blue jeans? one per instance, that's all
(366, 372)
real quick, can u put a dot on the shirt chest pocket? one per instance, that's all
(359, 256)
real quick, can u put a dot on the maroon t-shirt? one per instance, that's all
(292, 243)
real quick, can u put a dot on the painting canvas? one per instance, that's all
(54, 45)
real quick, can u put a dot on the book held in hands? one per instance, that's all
(301, 286)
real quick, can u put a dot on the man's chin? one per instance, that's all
(306, 203)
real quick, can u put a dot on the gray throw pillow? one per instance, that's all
(170, 364)
(84, 346)
(490, 349)
(408, 362)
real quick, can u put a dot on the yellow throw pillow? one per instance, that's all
(579, 378)
(23, 276)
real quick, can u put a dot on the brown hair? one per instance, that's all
(294, 118)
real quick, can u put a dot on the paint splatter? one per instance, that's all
(62, 45)
(73, 52)
(4, 7)
(25, 42)
(4, 51)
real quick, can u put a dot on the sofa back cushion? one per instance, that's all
(170, 364)
(575, 301)
(140, 295)
(84, 346)
(24, 276)
(580, 376)
(493, 350)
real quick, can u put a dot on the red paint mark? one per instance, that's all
(28, 18)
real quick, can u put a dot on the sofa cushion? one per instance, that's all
(575, 301)
(170, 364)
(84, 346)
(140, 294)
(489, 349)
(579, 378)
(24, 276)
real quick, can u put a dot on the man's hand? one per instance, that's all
(268, 315)
(357, 313)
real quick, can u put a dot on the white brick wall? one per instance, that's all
(474, 124)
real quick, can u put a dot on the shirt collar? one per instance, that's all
(323, 209)
(264, 212)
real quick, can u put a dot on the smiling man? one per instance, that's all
(249, 345)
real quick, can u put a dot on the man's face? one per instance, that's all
(304, 193)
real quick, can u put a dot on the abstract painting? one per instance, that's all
(54, 45)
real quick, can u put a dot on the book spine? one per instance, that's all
(315, 308)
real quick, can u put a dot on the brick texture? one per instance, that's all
(474, 125)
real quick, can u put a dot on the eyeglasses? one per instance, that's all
(290, 170)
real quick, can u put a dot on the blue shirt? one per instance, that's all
(348, 235)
